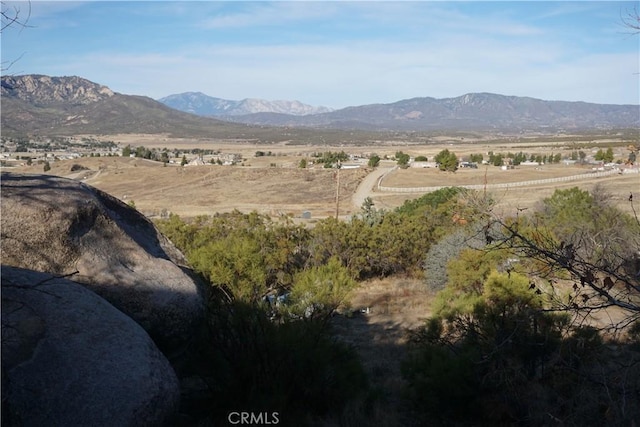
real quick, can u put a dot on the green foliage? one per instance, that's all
(370, 214)
(430, 201)
(476, 158)
(126, 151)
(393, 244)
(235, 263)
(184, 160)
(247, 254)
(330, 158)
(421, 159)
(449, 249)
(608, 155)
(318, 291)
(164, 157)
(263, 357)
(144, 153)
(493, 330)
(446, 160)
(302, 164)
(231, 249)
(466, 276)
(47, 166)
(402, 159)
(581, 218)
(374, 161)
(492, 341)
(604, 156)
(566, 208)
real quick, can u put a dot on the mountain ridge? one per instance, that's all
(479, 111)
(205, 105)
(73, 105)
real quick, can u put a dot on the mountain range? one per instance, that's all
(473, 111)
(204, 105)
(44, 105)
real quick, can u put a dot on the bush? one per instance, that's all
(447, 161)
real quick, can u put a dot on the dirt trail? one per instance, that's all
(366, 187)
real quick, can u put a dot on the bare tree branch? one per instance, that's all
(631, 20)
(12, 15)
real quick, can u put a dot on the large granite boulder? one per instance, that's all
(69, 358)
(61, 226)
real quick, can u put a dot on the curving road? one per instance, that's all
(368, 184)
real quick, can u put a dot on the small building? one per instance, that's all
(469, 165)
(423, 164)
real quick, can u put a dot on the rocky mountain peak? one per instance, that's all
(204, 105)
(46, 90)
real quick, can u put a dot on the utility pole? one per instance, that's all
(338, 190)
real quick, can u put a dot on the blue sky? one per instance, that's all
(335, 53)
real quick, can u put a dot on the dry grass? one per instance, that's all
(427, 177)
(395, 305)
(198, 190)
(509, 200)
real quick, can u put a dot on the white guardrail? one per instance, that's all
(586, 175)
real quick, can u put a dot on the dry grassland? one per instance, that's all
(619, 186)
(204, 190)
(286, 189)
(510, 200)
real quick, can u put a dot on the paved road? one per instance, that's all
(366, 187)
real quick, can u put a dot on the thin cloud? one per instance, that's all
(338, 53)
(269, 14)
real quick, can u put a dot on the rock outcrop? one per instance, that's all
(61, 226)
(69, 358)
(46, 90)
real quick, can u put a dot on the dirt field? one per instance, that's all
(204, 190)
(274, 185)
(508, 200)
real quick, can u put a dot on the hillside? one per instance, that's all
(37, 105)
(34, 104)
(48, 106)
(475, 111)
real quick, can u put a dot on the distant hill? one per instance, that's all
(204, 105)
(474, 111)
(37, 104)
(43, 105)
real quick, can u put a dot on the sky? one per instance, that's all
(333, 53)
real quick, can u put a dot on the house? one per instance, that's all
(423, 164)
(469, 165)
